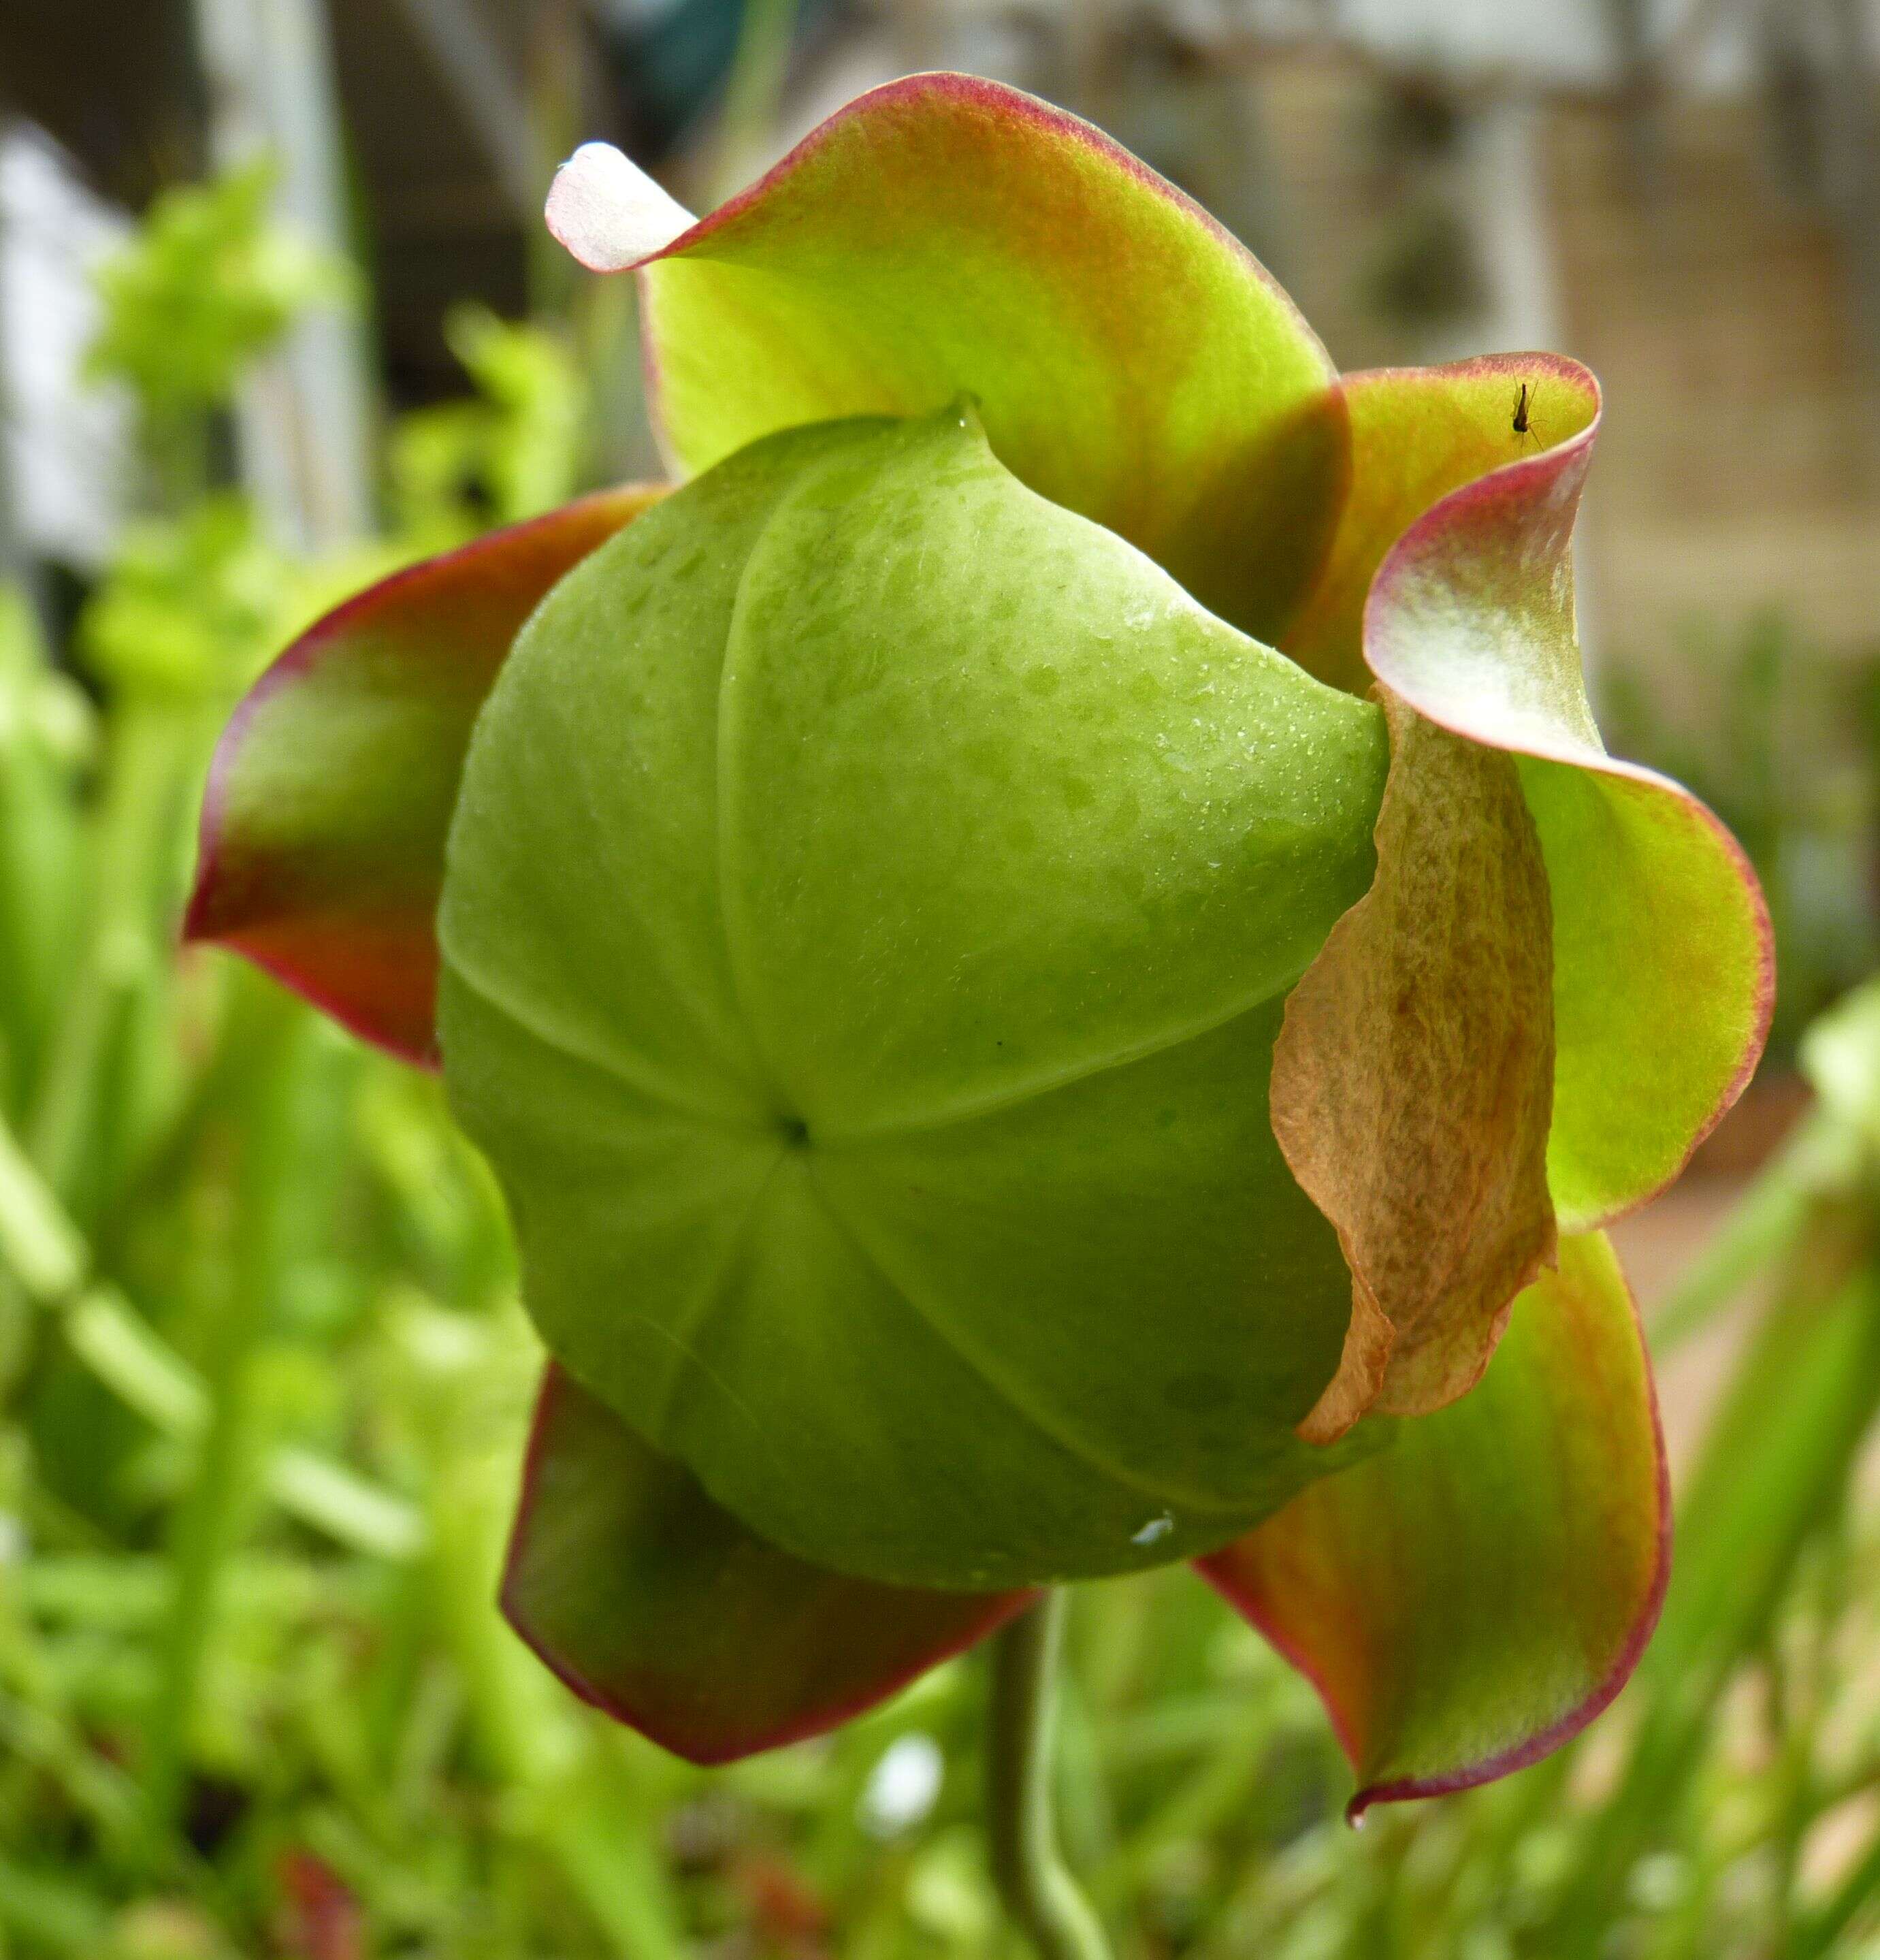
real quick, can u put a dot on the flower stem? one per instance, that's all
(1038, 1891)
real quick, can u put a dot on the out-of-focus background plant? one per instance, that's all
(274, 318)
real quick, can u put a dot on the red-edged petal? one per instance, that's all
(944, 236)
(658, 1607)
(1471, 1598)
(1448, 1087)
(332, 788)
(1450, 580)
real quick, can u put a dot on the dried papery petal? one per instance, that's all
(1619, 1058)
(1451, 583)
(1413, 1077)
(1663, 969)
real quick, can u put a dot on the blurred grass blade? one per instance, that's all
(1778, 1454)
(46, 1252)
(50, 1914)
(341, 1503)
(1777, 1459)
(71, 1116)
(135, 1365)
(42, 1246)
(207, 1526)
(45, 725)
(1820, 1934)
(1764, 1226)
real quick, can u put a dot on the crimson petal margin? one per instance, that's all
(657, 1606)
(331, 790)
(944, 236)
(1472, 1597)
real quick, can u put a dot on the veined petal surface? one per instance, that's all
(1663, 972)
(1450, 580)
(1413, 1077)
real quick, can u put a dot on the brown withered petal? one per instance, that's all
(1413, 1080)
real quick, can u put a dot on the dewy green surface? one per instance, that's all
(867, 915)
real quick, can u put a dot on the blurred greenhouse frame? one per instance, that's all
(263, 1378)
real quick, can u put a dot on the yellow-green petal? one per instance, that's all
(1450, 582)
(944, 235)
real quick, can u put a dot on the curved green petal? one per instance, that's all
(1472, 1597)
(1451, 580)
(1663, 976)
(322, 830)
(1417, 433)
(944, 235)
(863, 955)
(661, 1609)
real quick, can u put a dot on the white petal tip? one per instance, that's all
(608, 212)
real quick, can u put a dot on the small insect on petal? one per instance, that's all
(609, 213)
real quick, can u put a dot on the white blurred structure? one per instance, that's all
(304, 414)
(68, 440)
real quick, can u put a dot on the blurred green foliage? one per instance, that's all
(208, 283)
(263, 1384)
(512, 450)
(1785, 746)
